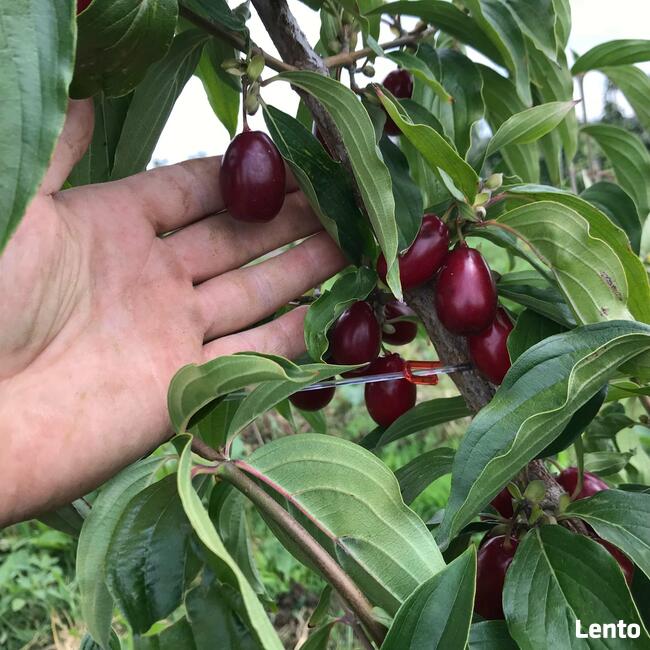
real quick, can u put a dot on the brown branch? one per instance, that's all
(205, 451)
(320, 558)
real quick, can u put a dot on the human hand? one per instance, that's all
(98, 311)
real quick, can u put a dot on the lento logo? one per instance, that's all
(620, 630)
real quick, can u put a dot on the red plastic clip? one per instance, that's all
(428, 380)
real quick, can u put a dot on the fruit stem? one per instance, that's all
(320, 558)
(244, 94)
(459, 231)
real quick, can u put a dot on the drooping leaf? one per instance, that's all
(490, 635)
(223, 89)
(370, 171)
(537, 21)
(418, 474)
(621, 518)
(576, 579)
(36, 58)
(146, 560)
(618, 52)
(612, 200)
(68, 519)
(540, 393)
(118, 41)
(634, 83)
(530, 329)
(354, 510)
(562, 22)
(229, 572)
(325, 183)
(630, 160)
(588, 271)
(606, 463)
(218, 11)
(94, 541)
(352, 285)
(437, 615)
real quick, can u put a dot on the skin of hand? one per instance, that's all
(98, 311)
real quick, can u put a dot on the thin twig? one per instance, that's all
(205, 451)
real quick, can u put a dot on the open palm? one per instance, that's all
(98, 310)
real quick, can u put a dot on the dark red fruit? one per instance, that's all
(466, 296)
(313, 400)
(388, 400)
(404, 331)
(400, 84)
(82, 4)
(502, 503)
(488, 349)
(568, 479)
(252, 177)
(627, 567)
(425, 255)
(356, 335)
(493, 559)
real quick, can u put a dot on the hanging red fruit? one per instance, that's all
(493, 559)
(400, 84)
(568, 479)
(388, 400)
(313, 400)
(356, 336)
(403, 331)
(489, 350)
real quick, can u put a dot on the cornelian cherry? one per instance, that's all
(627, 567)
(488, 349)
(356, 335)
(400, 84)
(313, 400)
(493, 559)
(82, 4)
(388, 400)
(403, 331)
(252, 177)
(424, 257)
(466, 297)
(502, 503)
(568, 479)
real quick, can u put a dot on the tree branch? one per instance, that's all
(320, 558)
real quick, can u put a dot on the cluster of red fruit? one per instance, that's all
(496, 553)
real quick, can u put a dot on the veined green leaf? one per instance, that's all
(540, 393)
(490, 635)
(588, 271)
(418, 474)
(118, 41)
(530, 329)
(36, 59)
(619, 52)
(218, 11)
(258, 621)
(420, 70)
(537, 21)
(355, 511)
(351, 285)
(621, 518)
(634, 83)
(630, 160)
(562, 22)
(437, 615)
(371, 173)
(576, 579)
(435, 150)
(94, 541)
(529, 125)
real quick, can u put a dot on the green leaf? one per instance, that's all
(530, 329)
(613, 201)
(147, 555)
(218, 11)
(68, 519)
(436, 151)
(94, 541)
(421, 71)
(36, 59)
(118, 41)
(354, 501)
(439, 612)
(499, 24)
(87, 643)
(448, 18)
(540, 393)
(418, 474)
(370, 171)
(606, 463)
(619, 52)
(316, 420)
(501, 102)
(558, 577)
(325, 182)
(351, 285)
(622, 519)
(152, 103)
(419, 418)
(634, 83)
(490, 635)
(529, 125)
(223, 89)
(562, 22)
(408, 200)
(319, 639)
(213, 426)
(230, 573)
(602, 228)
(537, 21)
(588, 271)
(630, 160)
